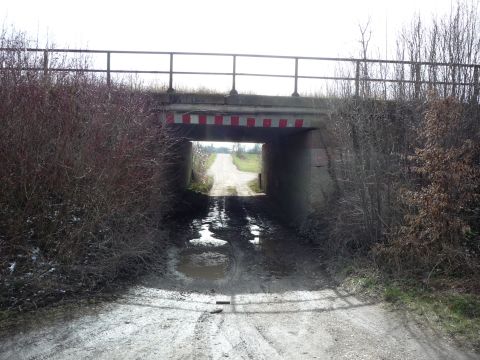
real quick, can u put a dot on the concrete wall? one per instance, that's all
(295, 174)
(182, 168)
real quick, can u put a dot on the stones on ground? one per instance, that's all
(216, 311)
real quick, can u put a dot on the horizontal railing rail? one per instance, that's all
(415, 77)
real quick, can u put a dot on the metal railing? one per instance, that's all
(415, 68)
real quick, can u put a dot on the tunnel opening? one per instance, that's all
(294, 173)
(227, 168)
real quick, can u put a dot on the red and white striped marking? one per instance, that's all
(238, 120)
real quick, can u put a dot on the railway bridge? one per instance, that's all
(295, 151)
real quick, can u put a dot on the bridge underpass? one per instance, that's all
(295, 143)
(280, 303)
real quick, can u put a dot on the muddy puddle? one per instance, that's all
(206, 257)
(208, 265)
(211, 254)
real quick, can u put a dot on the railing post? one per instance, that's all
(234, 91)
(170, 83)
(454, 83)
(433, 82)
(417, 81)
(476, 84)
(295, 90)
(108, 69)
(357, 79)
(45, 62)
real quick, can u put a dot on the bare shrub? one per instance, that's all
(83, 178)
(407, 168)
(367, 167)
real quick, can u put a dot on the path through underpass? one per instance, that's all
(237, 284)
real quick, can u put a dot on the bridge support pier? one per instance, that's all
(296, 173)
(182, 168)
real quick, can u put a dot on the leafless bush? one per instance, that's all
(386, 199)
(83, 177)
(368, 165)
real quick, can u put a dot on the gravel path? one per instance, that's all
(227, 177)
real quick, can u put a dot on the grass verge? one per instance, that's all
(203, 186)
(248, 162)
(232, 191)
(201, 182)
(253, 185)
(444, 308)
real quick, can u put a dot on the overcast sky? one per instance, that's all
(294, 27)
(300, 27)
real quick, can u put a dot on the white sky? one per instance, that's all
(299, 27)
(294, 27)
(228, 145)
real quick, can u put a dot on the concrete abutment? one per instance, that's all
(182, 167)
(296, 175)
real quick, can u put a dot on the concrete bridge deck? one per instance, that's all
(243, 118)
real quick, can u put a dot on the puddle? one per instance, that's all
(262, 240)
(206, 238)
(206, 257)
(208, 265)
(255, 232)
(258, 237)
(210, 257)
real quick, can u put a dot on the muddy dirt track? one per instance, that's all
(276, 302)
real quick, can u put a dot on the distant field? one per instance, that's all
(248, 162)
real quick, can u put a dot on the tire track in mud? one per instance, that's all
(251, 342)
(201, 335)
(67, 341)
